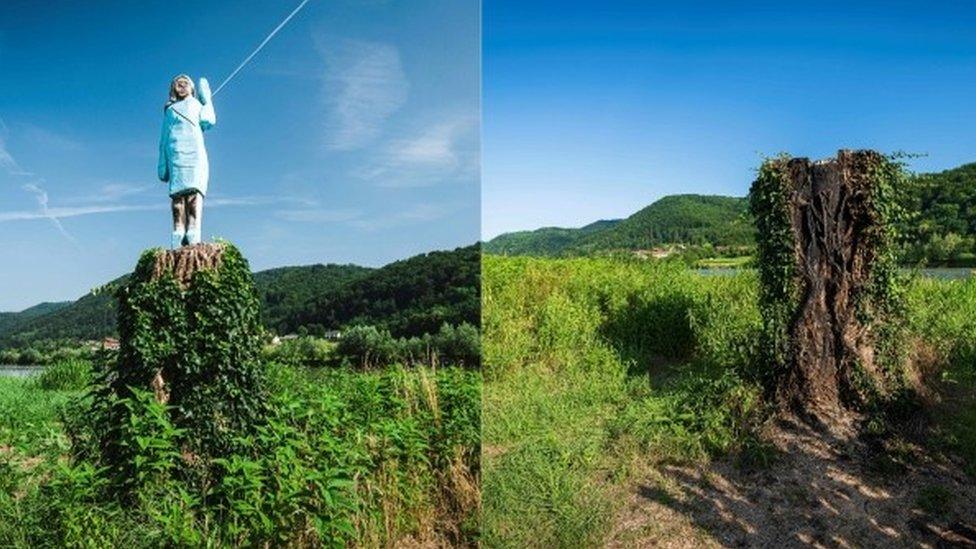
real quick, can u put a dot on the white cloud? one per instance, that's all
(315, 215)
(58, 213)
(364, 85)
(112, 192)
(435, 145)
(7, 161)
(9, 164)
(448, 148)
(64, 212)
(418, 213)
(49, 140)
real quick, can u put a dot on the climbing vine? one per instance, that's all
(769, 202)
(189, 327)
(857, 253)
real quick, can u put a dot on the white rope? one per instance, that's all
(255, 52)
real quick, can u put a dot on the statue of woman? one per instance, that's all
(183, 157)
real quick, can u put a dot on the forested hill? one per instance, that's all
(544, 241)
(941, 223)
(431, 288)
(683, 218)
(939, 227)
(286, 290)
(408, 297)
(12, 319)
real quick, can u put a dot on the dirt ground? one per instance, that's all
(822, 489)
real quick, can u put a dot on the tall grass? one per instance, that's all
(67, 375)
(589, 362)
(347, 458)
(598, 367)
(943, 316)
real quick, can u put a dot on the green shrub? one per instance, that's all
(68, 375)
(365, 347)
(459, 346)
(301, 351)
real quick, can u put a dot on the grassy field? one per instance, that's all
(372, 459)
(597, 370)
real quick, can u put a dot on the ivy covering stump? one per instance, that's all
(190, 332)
(830, 293)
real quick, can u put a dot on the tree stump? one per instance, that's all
(189, 331)
(827, 271)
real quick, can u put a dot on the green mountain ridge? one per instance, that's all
(293, 297)
(938, 228)
(284, 290)
(10, 319)
(673, 219)
(940, 225)
(408, 297)
(545, 240)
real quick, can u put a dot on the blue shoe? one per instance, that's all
(193, 237)
(177, 240)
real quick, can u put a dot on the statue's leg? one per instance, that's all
(179, 221)
(194, 217)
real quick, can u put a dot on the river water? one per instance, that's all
(14, 370)
(946, 273)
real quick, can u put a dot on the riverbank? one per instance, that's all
(16, 370)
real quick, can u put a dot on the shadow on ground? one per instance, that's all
(823, 490)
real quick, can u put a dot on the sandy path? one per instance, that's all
(821, 491)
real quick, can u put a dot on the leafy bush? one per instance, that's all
(305, 350)
(69, 375)
(367, 346)
(460, 345)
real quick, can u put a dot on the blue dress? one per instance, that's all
(182, 155)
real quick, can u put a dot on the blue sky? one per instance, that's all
(352, 137)
(595, 109)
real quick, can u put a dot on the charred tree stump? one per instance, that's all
(189, 332)
(827, 271)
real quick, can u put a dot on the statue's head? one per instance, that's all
(180, 88)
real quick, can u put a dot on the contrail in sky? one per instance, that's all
(266, 40)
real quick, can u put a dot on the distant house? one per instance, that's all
(110, 343)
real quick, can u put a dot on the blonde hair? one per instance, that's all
(172, 90)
